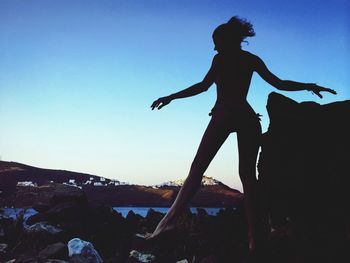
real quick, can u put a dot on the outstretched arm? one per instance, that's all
(289, 85)
(193, 90)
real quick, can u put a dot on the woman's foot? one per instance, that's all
(160, 231)
(164, 226)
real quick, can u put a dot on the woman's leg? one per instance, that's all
(214, 136)
(248, 146)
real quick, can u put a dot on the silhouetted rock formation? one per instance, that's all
(304, 177)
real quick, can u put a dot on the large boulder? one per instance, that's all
(303, 173)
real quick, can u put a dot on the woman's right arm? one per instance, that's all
(288, 85)
(193, 90)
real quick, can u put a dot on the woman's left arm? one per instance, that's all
(288, 85)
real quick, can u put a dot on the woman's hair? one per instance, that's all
(235, 30)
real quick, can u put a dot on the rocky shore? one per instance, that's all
(65, 222)
(303, 193)
(69, 229)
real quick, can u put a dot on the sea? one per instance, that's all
(142, 211)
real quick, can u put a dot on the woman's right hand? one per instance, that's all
(161, 102)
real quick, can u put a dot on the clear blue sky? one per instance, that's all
(77, 78)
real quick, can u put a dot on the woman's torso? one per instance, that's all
(233, 76)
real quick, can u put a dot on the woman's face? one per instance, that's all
(218, 44)
(222, 44)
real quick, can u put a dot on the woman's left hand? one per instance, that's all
(317, 89)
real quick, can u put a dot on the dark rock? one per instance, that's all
(54, 251)
(134, 221)
(66, 211)
(201, 212)
(36, 237)
(80, 259)
(10, 230)
(108, 231)
(209, 259)
(152, 219)
(54, 261)
(24, 259)
(2, 233)
(4, 225)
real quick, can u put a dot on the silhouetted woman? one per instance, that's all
(231, 70)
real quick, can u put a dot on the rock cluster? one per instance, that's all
(68, 229)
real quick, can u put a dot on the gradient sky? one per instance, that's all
(77, 78)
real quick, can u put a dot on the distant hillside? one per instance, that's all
(12, 173)
(19, 180)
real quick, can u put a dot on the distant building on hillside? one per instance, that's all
(99, 184)
(26, 183)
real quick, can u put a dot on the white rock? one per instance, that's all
(142, 257)
(182, 261)
(3, 248)
(76, 246)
